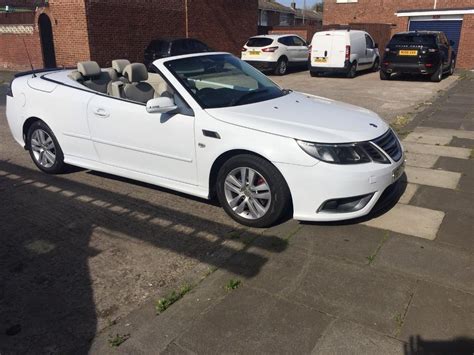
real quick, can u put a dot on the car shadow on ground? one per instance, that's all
(46, 293)
(386, 202)
(459, 346)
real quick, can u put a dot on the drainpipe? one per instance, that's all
(186, 17)
(435, 3)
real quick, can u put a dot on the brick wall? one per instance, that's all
(382, 11)
(13, 55)
(225, 25)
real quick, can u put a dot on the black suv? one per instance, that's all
(168, 47)
(421, 52)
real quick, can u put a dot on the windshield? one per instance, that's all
(414, 39)
(223, 80)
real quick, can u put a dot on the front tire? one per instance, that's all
(281, 67)
(452, 67)
(252, 191)
(44, 148)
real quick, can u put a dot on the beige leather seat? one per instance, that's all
(94, 78)
(137, 90)
(119, 66)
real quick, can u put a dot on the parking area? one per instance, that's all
(400, 96)
(85, 256)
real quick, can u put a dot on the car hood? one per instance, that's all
(306, 117)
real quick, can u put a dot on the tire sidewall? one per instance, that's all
(352, 73)
(278, 67)
(58, 165)
(280, 199)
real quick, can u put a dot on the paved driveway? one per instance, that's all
(388, 98)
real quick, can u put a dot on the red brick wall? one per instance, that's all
(382, 11)
(13, 53)
(225, 25)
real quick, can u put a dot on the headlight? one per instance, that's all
(336, 153)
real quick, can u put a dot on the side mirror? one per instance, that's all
(161, 105)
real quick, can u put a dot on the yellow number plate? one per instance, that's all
(320, 60)
(254, 52)
(408, 53)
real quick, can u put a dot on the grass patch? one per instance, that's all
(398, 125)
(232, 285)
(399, 320)
(164, 303)
(118, 339)
(372, 257)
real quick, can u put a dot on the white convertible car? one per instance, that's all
(209, 125)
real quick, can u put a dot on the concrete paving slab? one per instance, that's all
(421, 160)
(349, 242)
(450, 133)
(466, 167)
(410, 191)
(442, 124)
(410, 220)
(457, 229)
(253, 321)
(344, 337)
(431, 177)
(439, 263)
(423, 138)
(444, 151)
(357, 293)
(439, 316)
(444, 200)
(462, 143)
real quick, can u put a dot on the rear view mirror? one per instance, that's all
(161, 105)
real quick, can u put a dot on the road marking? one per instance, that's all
(440, 132)
(409, 192)
(452, 152)
(423, 138)
(421, 160)
(410, 220)
(431, 177)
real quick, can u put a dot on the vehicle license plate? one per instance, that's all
(408, 53)
(398, 172)
(320, 60)
(254, 52)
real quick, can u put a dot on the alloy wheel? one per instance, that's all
(247, 193)
(43, 148)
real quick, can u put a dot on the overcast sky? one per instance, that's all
(299, 3)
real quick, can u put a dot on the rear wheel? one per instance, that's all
(384, 75)
(352, 71)
(452, 67)
(44, 148)
(281, 67)
(438, 74)
(252, 191)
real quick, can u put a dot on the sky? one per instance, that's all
(299, 3)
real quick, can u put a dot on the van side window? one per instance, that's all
(369, 42)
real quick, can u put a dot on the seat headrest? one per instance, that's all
(120, 64)
(136, 72)
(88, 68)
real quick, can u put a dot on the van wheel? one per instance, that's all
(352, 71)
(376, 66)
(384, 75)
(44, 148)
(438, 75)
(281, 67)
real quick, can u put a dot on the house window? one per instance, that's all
(263, 18)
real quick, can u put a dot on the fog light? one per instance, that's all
(345, 205)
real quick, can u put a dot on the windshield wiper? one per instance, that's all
(246, 96)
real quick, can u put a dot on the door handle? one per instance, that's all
(100, 112)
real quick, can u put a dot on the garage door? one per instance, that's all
(451, 28)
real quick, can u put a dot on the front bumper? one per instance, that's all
(409, 68)
(262, 65)
(312, 186)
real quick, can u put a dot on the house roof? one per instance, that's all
(272, 5)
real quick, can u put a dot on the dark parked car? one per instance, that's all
(421, 52)
(168, 47)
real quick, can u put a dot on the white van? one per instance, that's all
(343, 51)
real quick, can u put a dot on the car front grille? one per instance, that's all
(389, 144)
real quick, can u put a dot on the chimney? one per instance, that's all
(293, 5)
